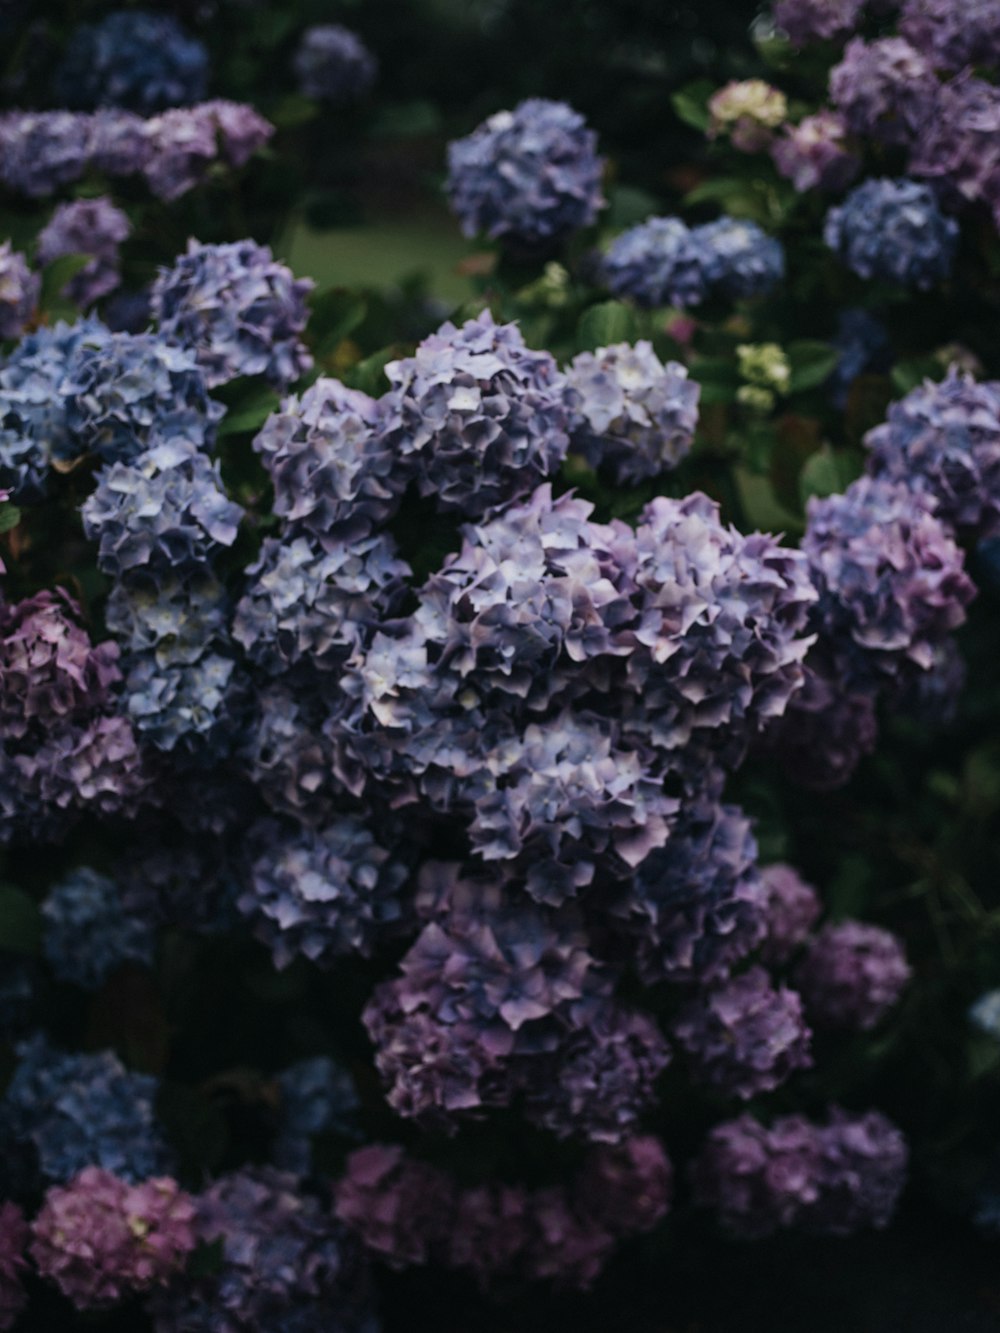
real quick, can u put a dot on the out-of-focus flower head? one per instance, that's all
(815, 154)
(953, 34)
(742, 260)
(893, 231)
(659, 262)
(792, 909)
(286, 1263)
(944, 439)
(183, 143)
(19, 290)
(885, 89)
(135, 59)
(851, 974)
(87, 932)
(957, 146)
(764, 366)
(41, 150)
(984, 1014)
(318, 1096)
(188, 882)
(83, 1110)
(567, 1248)
(86, 227)
(491, 1232)
(863, 343)
(101, 1239)
(478, 415)
(748, 111)
(744, 1037)
(528, 177)
(333, 64)
(890, 577)
(163, 510)
(328, 462)
(401, 1209)
(806, 21)
(125, 391)
(632, 414)
(237, 309)
(14, 1235)
(324, 894)
(118, 144)
(628, 1187)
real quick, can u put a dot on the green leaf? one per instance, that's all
(368, 375)
(56, 275)
(691, 103)
(811, 363)
(827, 472)
(249, 416)
(407, 120)
(20, 921)
(292, 111)
(10, 516)
(906, 375)
(604, 324)
(628, 206)
(335, 313)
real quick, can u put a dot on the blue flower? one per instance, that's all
(131, 58)
(893, 231)
(88, 934)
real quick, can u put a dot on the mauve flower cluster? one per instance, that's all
(850, 975)
(237, 309)
(664, 262)
(285, 1263)
(13, 1244)
(816, 154)
(943, 440)
(953, 33)
(333, 64)
(100, 1238)
(477, 415)
(816, 20)
(77, 1111)
(19, 290)
(40, 151)
(893, 231)
(792, 909)
(885, 89)
(318, 1097)
(528, 177)
(831, 1179)
(86, 227)
(88, 934)
(408, 1212)
(134, 59)
(633, 415)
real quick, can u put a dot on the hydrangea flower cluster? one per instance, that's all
(86, 227)
(134, 59)
(528, 177)
(792, 909)
(237, 309)
(884, 89)
(830, 1179)
(19, 289)
(88, 934)
(816, 154)
(805, 21)
(662, 261)
(100, 1238)
(632, 414)
(851, 974)
(863, 343)
(333, 64)
(318, 1096)
(893, 230)
(13, 1244)
(748, 112)
(952, 36)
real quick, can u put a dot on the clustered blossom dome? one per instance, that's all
(884, 89)
(286, 1263)
(747, 111)
(477, 415)
(88, 933)
(333, 64)
(632, 414)
(792, 909)
(830, 1179)
(237, 309)
(956, 148)
(134, 59)
(528, 177)
(890, 577)
(816, 20)
(851, 974)
(318, 1096)
(100, 1238)
(13, 1245)
(864, 345)
(19, 289)
(86, 227)
(893, 230)
(664, 262)
(816, 154)
(951, 35)
(944, 440)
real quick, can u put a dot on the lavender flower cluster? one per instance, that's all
(334, 65)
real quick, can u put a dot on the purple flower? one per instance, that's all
(742, 260)
(944, 440)
(118, 144)
(659, 262)
(288, 757)
(186, 707)
(957, 147)
(628, 1187)
(851, 974)
(863, 343)
(333, 63)
(792, 909)
(478, 415)
(101, 1239)
(632, 414)
(237, 309)
(744, 1037)
(567, 1249)
(134, 59)
(401, 1209)
(19, 290)
(41, 150)
(951, 34)
(173, 616)
(184, 142)
(890, 577)
(528, 177)
(87, 933)
(815, 154)
(86, 227)
(893, 231)
(163, 510)
(318, 1096)
(13, 1244)
(806, 21)
(885, 89)
(863, 1160)
(240, 130)
(491, 1232)
(324, 894)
